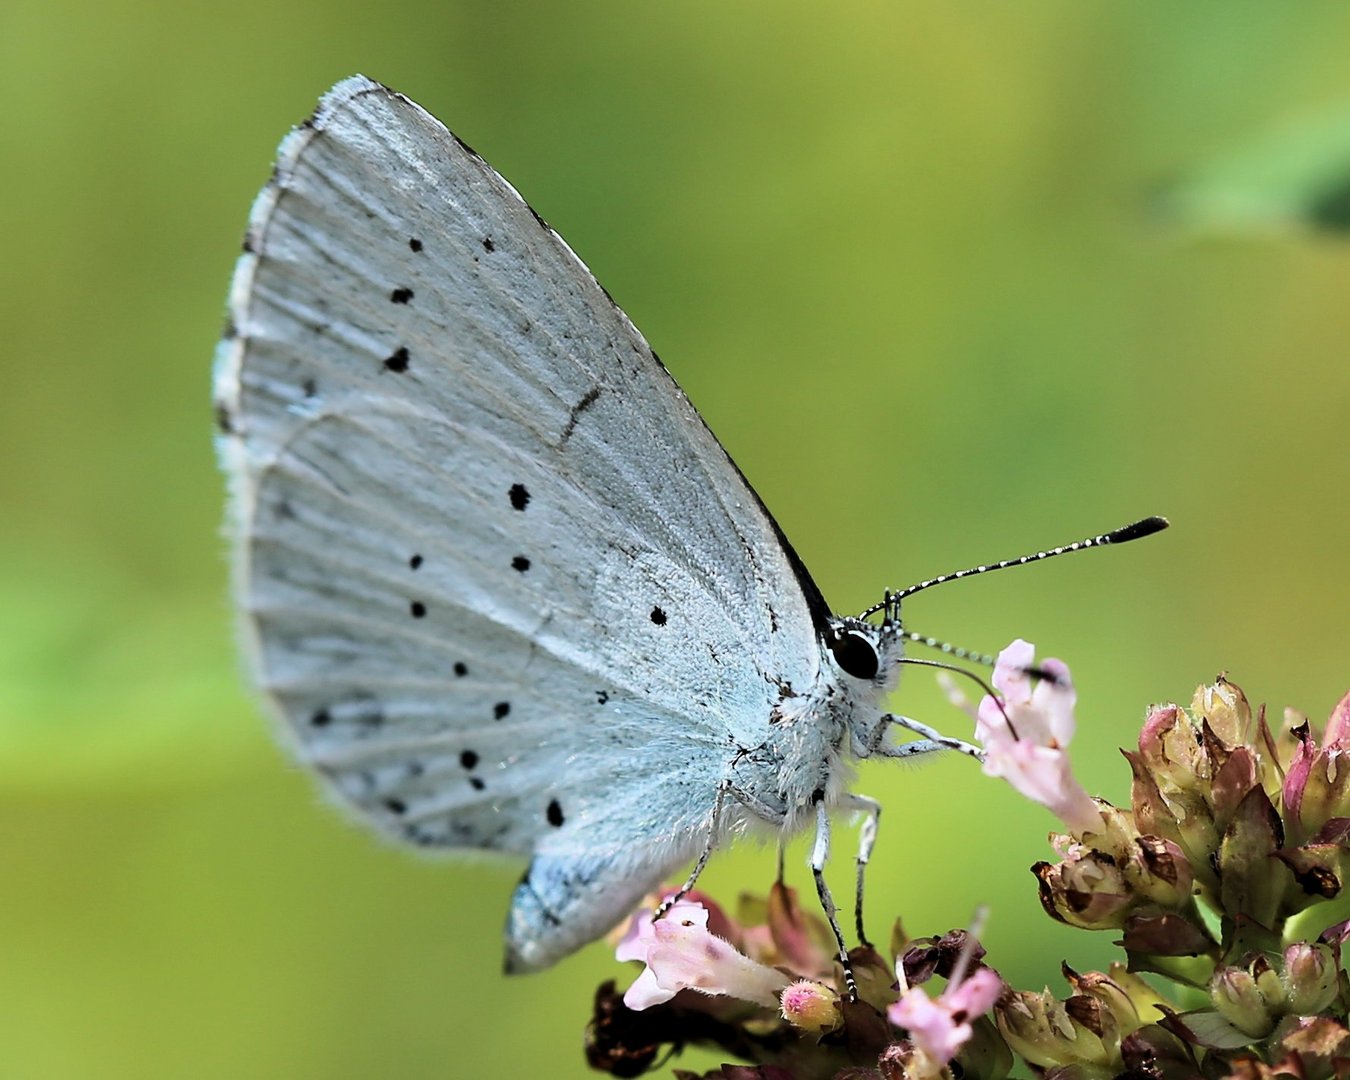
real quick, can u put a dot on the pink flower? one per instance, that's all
(1031, 752)
(681, 954)
(940, 1028)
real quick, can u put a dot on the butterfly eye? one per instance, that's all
(855, 654)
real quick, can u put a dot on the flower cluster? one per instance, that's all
(767, 988)
(1220, 878)
(1224, 878)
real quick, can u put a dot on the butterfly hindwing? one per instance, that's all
(426, 673)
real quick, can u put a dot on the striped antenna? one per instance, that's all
(984, 659)
(1134, 531)
(945, 647)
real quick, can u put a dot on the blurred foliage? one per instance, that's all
(906, 259)
(1294, 177)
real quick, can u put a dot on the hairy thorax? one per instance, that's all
(813, 734)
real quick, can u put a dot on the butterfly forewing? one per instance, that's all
(499, 578)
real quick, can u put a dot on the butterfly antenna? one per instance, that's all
(989, 690)
(983, 659)
(955, 651)
(1134, 531)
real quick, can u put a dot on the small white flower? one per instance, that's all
(681, 954)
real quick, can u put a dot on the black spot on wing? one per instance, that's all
(555, 814)
(414, 243)
(489, 246)
(417, 609)
(320, 718)
(415, 562)
(501, 710)
(224, 418)
(461, 669)
(401, 295)
(658, 616)
(520, 497)
(423, 837)
(468, 759)
(398, 362)
(520, 564)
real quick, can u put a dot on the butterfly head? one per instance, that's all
(867, 651)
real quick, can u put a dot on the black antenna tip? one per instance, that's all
(1147, 527)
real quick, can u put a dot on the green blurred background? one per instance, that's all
(951, 280)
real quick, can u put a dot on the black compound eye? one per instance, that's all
(855, 654)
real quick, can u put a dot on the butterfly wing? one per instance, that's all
(499, 580)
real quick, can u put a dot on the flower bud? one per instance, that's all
(1170, 748)
(1087, 889)
(1044, 1031)
(1238, 998)
(1310, 979)
(811, 1006)
(1117, 834)
(1173, 774)
(1142, 998)
(1224, 706)
(1160, 872)
(1317, 782)
(1106, 1005)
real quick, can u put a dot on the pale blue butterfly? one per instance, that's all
(501, 583)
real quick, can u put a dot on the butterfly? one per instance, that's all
(499, 581)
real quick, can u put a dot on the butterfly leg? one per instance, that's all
(931, 741)
(760, 808)
(820, 855)
(867, 837)
(689, 882)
